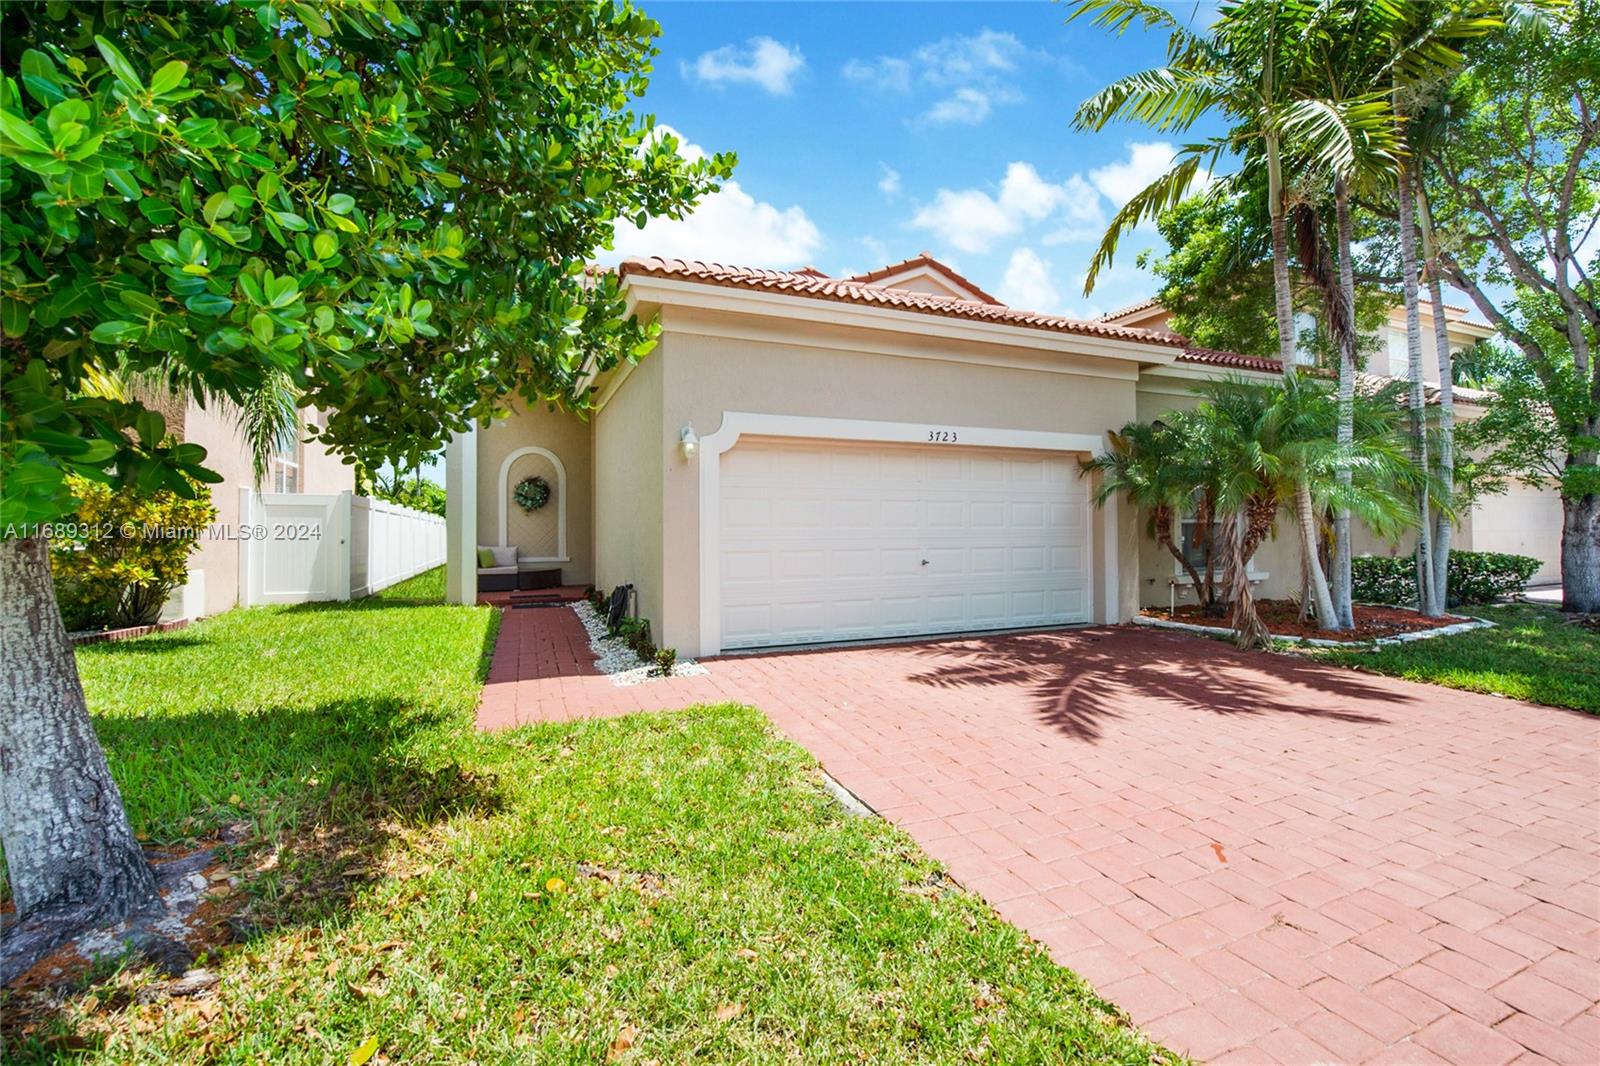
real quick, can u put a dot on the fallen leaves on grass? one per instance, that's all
(627, 1036)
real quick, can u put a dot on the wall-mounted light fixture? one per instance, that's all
(688, 443)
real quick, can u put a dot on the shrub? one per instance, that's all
(1380, 579)
(122, 552)
(1483, 577)
(1474, 577)
(418, 495)
(666, 659)
(635, 633)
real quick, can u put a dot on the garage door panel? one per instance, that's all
(1028, 560)
(825, 541)
(988, 513)
(1027, 514)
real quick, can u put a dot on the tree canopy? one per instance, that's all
(391, 205)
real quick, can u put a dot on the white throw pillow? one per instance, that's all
(505, 556)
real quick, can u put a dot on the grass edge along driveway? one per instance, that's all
(1533, 653)
(656, 887)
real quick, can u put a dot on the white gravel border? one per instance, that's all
(1318, 642)
(615, 659)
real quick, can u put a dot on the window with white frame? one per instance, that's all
(1191, 542)
(283, 467)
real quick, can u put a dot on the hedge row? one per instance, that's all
(1474, 577)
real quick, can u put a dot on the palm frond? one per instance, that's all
(269, 419)
(1167, 99)
(1344, 137)
(1164, 193)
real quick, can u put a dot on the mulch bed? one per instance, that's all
(1281, 619)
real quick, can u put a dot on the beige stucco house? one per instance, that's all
(297, 466)
(806, 459)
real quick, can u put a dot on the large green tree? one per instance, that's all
(392, 205)
(1514, 182)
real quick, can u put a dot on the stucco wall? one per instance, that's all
(832, 372)
(627, 456)
(216, 428)
(537, 533)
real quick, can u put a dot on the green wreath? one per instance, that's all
(531, 493)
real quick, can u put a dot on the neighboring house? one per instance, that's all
(805, 459)
(296, 467)
(1522, 520)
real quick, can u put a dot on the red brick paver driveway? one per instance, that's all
(1259, 859)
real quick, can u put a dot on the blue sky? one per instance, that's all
(869, 132)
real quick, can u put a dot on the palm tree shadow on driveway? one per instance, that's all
(1078, 679)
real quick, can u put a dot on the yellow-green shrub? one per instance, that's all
(120, 554)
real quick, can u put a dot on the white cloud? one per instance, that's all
(973, 73)
(886, 73)
(1081, 218)
(966, 106)
(972, 220)
(1027, 283)
(760, 61)
(889, 180)
(729, 226)
(958, 59)
(1145, 163)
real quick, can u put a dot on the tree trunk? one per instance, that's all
(1284, 304)
(1163, 520)
(1580, 554)
(1343, 584)
(1282, 296)
(1247, 627)
(1207, 516)
(1306, 519)
(1442, 529)
(70, 853)
(1419, 438)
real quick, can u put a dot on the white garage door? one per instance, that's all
(835, 540)
(1522, 521)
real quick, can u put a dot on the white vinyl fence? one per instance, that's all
(300, 547)
(389, 543)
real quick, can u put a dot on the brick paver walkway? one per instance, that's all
(1259, 859)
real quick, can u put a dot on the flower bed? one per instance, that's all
(615, 659)
(1375, 624)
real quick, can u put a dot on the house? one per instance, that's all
(806, 459)
(1522, 520)
(295, 467)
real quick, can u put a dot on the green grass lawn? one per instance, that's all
(667, 887)
(1533, 653)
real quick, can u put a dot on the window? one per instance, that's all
(283, 467)
(1192, 542)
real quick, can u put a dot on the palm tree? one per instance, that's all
(269, 413)
(1154, 468)
(1357, 52)
(1273, 448)
(1244, 69)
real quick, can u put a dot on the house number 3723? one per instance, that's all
(941, 436)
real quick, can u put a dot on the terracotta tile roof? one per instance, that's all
(1231, 360)
(1367, 383)
(855, 291)
(924, 259)
(1430, 393)
(1122, 312)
